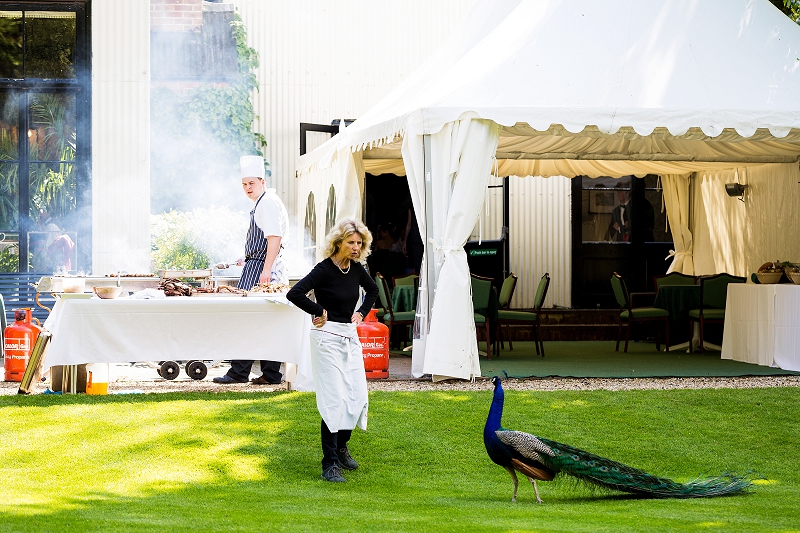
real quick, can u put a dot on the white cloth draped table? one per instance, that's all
(762, 325)
(180, 329)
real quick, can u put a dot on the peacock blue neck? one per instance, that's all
(498, 452)
(495, 412)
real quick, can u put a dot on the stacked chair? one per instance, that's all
(506, 316)
(628, 314)
(481, 298)
(411, 279)
(646, 299)
(674, 278)
(390, 318)
(713, 295)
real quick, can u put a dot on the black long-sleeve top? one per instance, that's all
(334, 291)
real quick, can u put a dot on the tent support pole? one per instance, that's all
(506, 236)
(429, 252)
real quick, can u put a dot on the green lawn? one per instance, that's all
(250, 462)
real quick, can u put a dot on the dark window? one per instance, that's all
(607, 214)
(45, 201)
(611, 212)
(618, 226)
(11, 44)
(659, 230)
(37, 44)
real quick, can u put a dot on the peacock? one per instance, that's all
(541, 459)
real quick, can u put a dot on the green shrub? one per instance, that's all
(197, 239)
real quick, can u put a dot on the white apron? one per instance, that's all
(339, 379)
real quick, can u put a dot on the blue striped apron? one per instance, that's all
(255, 251)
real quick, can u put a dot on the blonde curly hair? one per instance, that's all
(342, 230)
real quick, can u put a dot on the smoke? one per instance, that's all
(193, 172)
(296, 260)
(190, 168)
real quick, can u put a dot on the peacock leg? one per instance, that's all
(535, 489)
(514, 479)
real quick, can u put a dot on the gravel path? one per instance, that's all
(546, 384)
(141, 377)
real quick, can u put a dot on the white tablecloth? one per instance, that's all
(180, 329)
(762, 325)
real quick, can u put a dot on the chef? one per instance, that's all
(263, 260)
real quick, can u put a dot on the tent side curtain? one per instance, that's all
(737, 236)
(461, 159)
(676, 200)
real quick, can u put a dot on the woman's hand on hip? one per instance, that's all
(319, 321)
(357, 318)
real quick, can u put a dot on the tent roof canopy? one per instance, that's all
(583, 87)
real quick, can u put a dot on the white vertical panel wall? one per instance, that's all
(327, 59)
(540, 235)
(121, 136)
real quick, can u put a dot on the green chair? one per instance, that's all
(481, 297)
(382, 297)
(506, 316)
(411, 279)
(503, 303)
(390, 318)
(629, 315)
(673, 278)
(713, 294)
(402, 289)
(646, 299)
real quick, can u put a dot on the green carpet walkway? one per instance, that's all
(599, 360)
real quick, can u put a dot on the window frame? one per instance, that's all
(81, 87)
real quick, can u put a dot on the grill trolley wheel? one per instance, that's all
(169, 370)
(196, 370)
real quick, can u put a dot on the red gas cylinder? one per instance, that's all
(19, 340)
(374, 338)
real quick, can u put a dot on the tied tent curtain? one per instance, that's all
(676, 199)
(348, 178)
(414, 161)
(461, 155)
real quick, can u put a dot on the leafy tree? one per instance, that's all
(790, 8)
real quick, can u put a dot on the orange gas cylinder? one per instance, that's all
(19, 340)
(374, 338)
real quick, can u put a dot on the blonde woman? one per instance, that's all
(336, 360)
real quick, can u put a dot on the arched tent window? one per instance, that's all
(310, 234)
(330, 214)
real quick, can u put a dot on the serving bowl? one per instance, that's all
(72, 285)
(107, 293)
(795, 277)
(769, 277)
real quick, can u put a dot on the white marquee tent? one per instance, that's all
(698, 91)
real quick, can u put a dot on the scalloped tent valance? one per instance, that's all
(693, 84)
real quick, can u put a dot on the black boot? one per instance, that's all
(346, 461)
(333, 474)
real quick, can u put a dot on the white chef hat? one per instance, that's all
(252, 166)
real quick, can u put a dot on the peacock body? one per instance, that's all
(542, 459)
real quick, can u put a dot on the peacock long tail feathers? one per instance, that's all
(617, 476)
